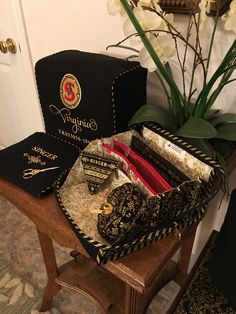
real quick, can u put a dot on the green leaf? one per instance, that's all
(201, 102)
(211, 113)
(176, 94)
(197, 128)
(189, 109)
(176, 108)
(227, 131)
(155, 114)
(226, 117)
(216, 93)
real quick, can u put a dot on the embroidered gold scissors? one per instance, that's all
(29, 173)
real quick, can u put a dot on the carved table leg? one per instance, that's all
(133, 301)
(52, 287)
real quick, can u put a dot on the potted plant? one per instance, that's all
(190, 113)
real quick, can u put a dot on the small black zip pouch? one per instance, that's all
(35, 163)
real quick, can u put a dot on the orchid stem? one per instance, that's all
(178, 109)
(213, 36)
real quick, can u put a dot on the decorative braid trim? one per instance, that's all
(191, 149)
(113, 94)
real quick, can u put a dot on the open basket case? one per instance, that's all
(185, 176)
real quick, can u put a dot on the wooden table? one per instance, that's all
(126, 285)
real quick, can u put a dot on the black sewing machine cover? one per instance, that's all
(83, 96)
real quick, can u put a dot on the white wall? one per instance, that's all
(54, 25)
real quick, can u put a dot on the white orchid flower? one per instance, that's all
(208, 5)
(230, 18)
(146, 3)
(148, 21)
(150, 4)
(169, 19)
(157, 7)
(205, 7)
(164, 47)
(129, 30)
(114, 7)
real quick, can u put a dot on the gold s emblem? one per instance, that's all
(70, 91)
